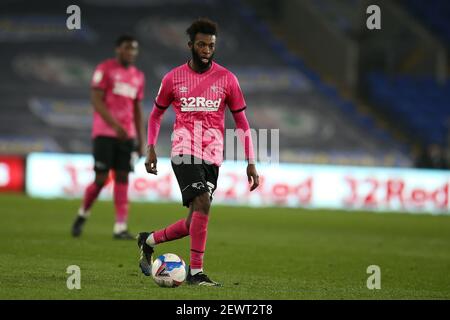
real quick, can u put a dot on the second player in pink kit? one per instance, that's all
(117, 90)
(200, 91)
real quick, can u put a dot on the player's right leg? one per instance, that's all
(148, 240)
(146, 253)
(185, 174)
(90, 195)
(102, 151)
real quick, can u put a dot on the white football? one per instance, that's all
(169, 270)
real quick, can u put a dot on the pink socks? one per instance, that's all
(198, 232)
(121, 201)
(174, 231)
(91, 193)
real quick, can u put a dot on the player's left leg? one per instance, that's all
(199, 227)
(121, 204)
(122, 167)
(198, 231)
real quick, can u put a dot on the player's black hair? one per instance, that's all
(124, 38)
(202, 25)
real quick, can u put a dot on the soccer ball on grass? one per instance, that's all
(169, 270)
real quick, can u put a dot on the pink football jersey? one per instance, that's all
(122, 87)
(199, 100)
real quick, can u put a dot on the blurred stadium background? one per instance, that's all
(364, 115)
(340, 93)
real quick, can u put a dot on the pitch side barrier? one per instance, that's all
(285, 185)
(12, 173)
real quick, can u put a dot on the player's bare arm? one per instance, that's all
(139, 126)
(100, 107)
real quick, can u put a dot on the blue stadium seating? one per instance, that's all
(419, 103)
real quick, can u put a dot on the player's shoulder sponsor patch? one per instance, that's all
(98, 76)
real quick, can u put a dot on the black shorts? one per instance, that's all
(195, 177)
(112, 153)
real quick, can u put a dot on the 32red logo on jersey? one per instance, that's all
(199, 104)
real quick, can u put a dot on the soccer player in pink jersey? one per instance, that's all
(199, 91)
(117, 90)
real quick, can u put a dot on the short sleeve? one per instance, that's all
(140, 94)
(165, 93)
(100, 77)
(235, 98)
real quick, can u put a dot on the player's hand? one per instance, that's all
(151, 160)
(121, 132)
(252, 176)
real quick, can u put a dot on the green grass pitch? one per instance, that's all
(269, 253)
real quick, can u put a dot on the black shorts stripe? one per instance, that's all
(197, 251)
(239, 110)
(160, 107)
